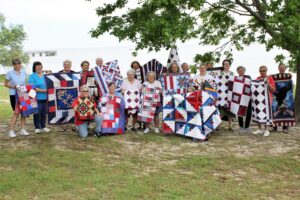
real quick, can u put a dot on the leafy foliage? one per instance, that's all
(11, 39)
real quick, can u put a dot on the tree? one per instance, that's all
(228, 24)
(11, 39)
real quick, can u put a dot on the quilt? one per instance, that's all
(150, 100)
(132, 101)
(63, 89)
(175, 84)
(209, 86)
(26, 95)
(222, 83)
(215, 72)
(113, 112)
(193, 114)
(88, 78)
(261, 108)
(239, 95)
(283, 101)
(173, 57)
(152, 65)
(86, 109)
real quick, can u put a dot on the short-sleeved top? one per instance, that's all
(15, 78)
(200, 79)
(135, 85)
(76, 103)
(271, 83)
(38, 82)
(154, 84)
(229, 73)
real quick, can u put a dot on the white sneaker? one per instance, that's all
(258, 131)
(46, 130)
(156, 130)
(147, 130)
(266, 133)
(12, 134)
(24, 132)
(37, 130)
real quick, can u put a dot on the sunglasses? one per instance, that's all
(18, 63)
(85, 91)
(262, 71)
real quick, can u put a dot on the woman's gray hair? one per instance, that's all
(131, 71)
(67, 61)
(151, 72)
(241, 67)
(263, 66)
(84, 87)
(202, 64)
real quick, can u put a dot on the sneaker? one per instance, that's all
(24, 132)
(12, 134)
(266, 133)
(37, 130)
(241, 130)
(247, 131)
(97, 134)
(156, 130)
(46, 130)
(147, 130)
(258, 131)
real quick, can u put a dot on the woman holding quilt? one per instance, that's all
(271, 87)
(131, 88)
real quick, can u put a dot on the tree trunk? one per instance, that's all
(297, 94)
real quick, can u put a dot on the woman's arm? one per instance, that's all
(6, 84)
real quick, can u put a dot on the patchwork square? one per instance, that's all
(26, 95)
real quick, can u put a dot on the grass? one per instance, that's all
(132, 166)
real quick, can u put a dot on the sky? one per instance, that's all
(65, 24)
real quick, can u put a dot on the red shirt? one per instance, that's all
(75, 103)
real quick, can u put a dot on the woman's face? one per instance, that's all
(282, 69)
(241, 71)
(130, 76)
(185, 67)
(85, 92)
(226, 66)
(151, 78)
(38, 68)
(67, 67)
(202, 69)
(135, 66)
(85, 67)
(263, 72)
(112, 89)
(17, 66)
(174, 68)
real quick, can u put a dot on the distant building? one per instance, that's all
(48, 53)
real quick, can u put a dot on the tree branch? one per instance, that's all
(239, 12)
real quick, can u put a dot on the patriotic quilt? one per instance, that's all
(193, 115)
(106, 74)
(152, 65)
(175, 84)
(283, 101)
(239, 93)
(132, 101)
(222, 83)
(63, 89)
(261, 108)
(113, 112)
(88, 78)
(215, 72)
(86, 109)
(150, 100)
(26, 95)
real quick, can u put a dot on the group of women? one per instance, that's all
(17, 76)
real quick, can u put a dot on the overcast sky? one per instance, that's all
(60, 24)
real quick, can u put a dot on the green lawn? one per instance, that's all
(134, 166)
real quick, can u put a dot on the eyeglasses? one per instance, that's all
(262, 71)
(85, 91)
(17, 63)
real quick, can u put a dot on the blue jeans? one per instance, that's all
(83, 128)
(39, 118)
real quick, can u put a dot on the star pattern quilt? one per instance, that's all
(283, 101)
(239, 93)
(175, 84)
(193, 115)
(63, 88)
(150, 100)
(261, 108)
(88, 78)
(86, 109)
(26, 95)
(113, 111)
(215, 72)
(152, 65)
(132, 101)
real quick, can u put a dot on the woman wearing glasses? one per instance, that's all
(15, 77)
(271, 84)
(83, 125)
